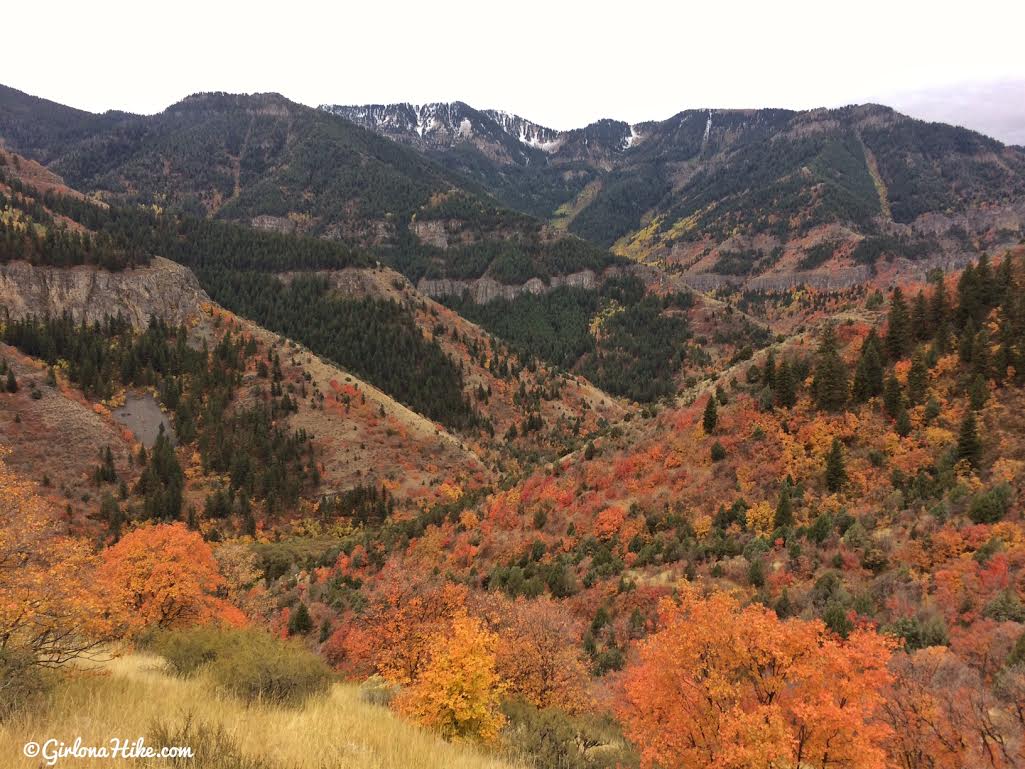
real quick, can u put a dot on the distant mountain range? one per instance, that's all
(269, 162)
(736, 192)
(448, 191)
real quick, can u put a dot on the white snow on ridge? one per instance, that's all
(632, 139)
(708, 127)
(426, 121)
(527, 133)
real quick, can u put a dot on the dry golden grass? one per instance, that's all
(134, 697)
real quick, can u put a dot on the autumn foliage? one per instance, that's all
(729, 686)
(539, 655)
(164, 576)
(458, 691)
(50, 606)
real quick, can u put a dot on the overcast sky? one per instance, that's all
(560, 64)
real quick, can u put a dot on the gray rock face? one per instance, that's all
(482, 290)
(163, 288)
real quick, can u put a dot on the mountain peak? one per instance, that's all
(221, 100)
(496, 133)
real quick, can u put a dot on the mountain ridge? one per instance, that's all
(739, 193)
(268, 162)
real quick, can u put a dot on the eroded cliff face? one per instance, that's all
(486, 289)
(164, 288)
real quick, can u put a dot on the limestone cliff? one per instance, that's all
(487, 289)
(163, 288)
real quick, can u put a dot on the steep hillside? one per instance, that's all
(54, 435)
(266, 161)
(806, 547)
(353, 329)
(634, 333)
(533, 409)
(863, 476)
(134, 695)
(360, 436)
(72, 326)
(736, 194)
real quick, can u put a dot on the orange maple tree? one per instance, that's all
(163, 576)
(50, 607)
(457, 693)
(720, 685)
(539, 654)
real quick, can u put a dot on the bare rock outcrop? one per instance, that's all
(163, 288)
(485, 289)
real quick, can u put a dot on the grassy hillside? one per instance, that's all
(131, 696)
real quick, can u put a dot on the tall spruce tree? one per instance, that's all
(868, 375)
(836, 471)
(981, 358)
(899, 336)
(918, 379)
(769, 374)
(162, 481)
(902, 424)
(711, 416)
(939, 305)
(830, 385)
(921, 327)
(978, 392)
(969, 445)
(893, 396)
(784, 508)
(784, 386)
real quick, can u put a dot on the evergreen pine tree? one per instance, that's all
(898, 327)
(968, 304)
(941, 342)
(769, 374)
(918, 379)
(300, 622)
(110, 511)
(784, 387)
(784, 508)
(162, 481)
(920, 326)
(893, 398)
(986, 282)
(830, 380)
(711, 416)
(248, 519)
(981, 360)
(868, 375)
(969, 446)
(978, 392)
(836, 472)
(903, 423)
(966, 343)
(12, 383)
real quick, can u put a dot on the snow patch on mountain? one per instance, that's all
(526, 132)
(632, 139)
(445, 124)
